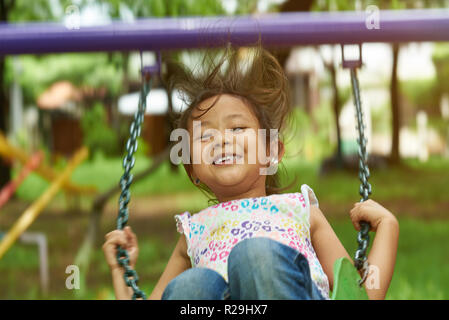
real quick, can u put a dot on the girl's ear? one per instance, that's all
(276, 149)
(191, 173)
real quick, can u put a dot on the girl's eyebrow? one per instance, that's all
(235, 115)
(229, 116)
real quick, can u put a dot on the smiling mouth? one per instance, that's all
(228, 159)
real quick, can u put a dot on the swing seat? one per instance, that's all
(346, 282)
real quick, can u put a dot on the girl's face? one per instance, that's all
(227, 143)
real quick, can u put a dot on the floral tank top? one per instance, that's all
(213, 232)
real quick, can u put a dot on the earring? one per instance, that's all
(197, 181)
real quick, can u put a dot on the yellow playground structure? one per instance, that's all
(59, 180)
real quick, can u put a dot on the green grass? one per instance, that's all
(387, 184)
(105, 173)
(420, 271)
(418, 195)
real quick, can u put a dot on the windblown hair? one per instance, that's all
(251, 74)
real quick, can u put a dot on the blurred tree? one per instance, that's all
(394, 157)
(282, 54)
(337, 102)
(440, 59)
(331, 68)
(14, 11)
(161, 8)
(97, 135)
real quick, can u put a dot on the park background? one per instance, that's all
(57, 103)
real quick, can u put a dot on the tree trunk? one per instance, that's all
(395, 108)
(336, 109)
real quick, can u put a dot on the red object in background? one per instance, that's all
(11, 187)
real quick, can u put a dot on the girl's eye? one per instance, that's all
(238, 129)
(205, 137)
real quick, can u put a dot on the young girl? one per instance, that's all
(254, 242)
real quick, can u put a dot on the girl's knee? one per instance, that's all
(252, 257)
(196, 284)
(254, 251)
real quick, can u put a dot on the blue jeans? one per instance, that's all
(258, 269)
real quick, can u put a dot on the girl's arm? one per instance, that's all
(178, 262)
(382, 258)
(128, 240)
(121, 290)
(382, 255)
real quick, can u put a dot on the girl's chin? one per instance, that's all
(231, 176)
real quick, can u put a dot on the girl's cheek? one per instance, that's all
(248, 141)
(200, 152)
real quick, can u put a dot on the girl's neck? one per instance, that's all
(252, 193)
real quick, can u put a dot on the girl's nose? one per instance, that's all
(223, 144)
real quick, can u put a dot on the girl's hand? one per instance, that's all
(127, 240)
(369, 211)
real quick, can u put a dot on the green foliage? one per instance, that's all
(37, 10)
(343, 5)
(142, 148)
(345, 94)
(167, 8)
(307, 135)
(92, 70)
(381, 119)
(441, 61)
(422, 94)
(97, 135)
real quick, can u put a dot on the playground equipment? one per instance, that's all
(40, 240)
(345, 275)
(279, 29)
(8, 190)
(286, 29)
(14, 153)
(32, 212)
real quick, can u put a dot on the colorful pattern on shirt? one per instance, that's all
(213, 232)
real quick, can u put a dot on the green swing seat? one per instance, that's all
(346, 282)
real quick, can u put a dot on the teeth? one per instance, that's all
(227, 158)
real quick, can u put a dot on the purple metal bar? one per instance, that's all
(286, 29)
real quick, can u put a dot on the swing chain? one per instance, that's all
(360, 259)
(130, 275)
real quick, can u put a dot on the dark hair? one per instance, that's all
(250, 73)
